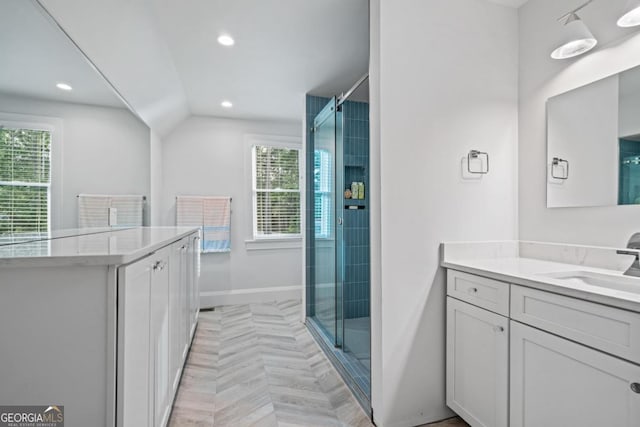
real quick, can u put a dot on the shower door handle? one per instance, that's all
(339, 220)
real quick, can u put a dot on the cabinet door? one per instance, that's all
(477, 364)
(177, 304)
(558, 383)
(160, 355)
(135, 408)
(193, 283)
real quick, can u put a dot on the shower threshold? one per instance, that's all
(350, 368)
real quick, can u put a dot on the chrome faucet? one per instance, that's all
(634, 243)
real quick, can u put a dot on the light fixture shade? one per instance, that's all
(576, 39)
(631, 17)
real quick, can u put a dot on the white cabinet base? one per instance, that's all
(558, 383)
(477, 364)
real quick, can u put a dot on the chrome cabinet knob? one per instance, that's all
(473, 290)
(635, 387)
(498, 329)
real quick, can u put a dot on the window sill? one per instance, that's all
(273, 244)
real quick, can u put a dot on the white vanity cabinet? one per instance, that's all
(155, 323)
(99, 322)
(477, 364)
(572, 362)
(543, 360)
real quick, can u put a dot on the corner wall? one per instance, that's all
(542, 77)
(447, 84)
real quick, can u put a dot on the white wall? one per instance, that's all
(375, 218)
(209, 156)
(583, 129)
(448, 84)
(540, 78)
(154, 202)
(629, 103)
(105, 151)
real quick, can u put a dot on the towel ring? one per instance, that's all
(475, 154)
(557, 161)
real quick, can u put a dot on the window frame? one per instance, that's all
(282, 142)
(54, 127)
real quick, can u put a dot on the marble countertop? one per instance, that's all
(529, 263)
(18, 238)
(106, 247)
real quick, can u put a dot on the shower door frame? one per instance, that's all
(330, 110)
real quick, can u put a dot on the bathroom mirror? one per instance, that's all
(593, 143)
(63, 129)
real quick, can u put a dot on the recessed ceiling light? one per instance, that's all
(63, 86)
(226, 104)
(226, 40)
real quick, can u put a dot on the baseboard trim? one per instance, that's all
(246, 296)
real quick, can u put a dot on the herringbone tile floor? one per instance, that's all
(257, 365)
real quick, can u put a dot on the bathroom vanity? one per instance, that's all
(542, 335)
(99, 321)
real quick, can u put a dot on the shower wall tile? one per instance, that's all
(356, 222)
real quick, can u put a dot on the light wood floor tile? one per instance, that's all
(257, 365)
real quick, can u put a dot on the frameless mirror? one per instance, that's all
(593, 143)
(63, 129)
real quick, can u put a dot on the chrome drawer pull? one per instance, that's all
(635, 387)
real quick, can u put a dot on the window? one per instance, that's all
(276, 192)
(25, 181)
(322, 179)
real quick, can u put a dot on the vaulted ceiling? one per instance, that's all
(163, 56)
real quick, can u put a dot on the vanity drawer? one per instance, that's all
(609, 329)
(480, 291)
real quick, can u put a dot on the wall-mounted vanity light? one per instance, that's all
(631, 17)
(576, 37)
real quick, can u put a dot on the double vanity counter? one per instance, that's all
(99, 321)
(542, 334)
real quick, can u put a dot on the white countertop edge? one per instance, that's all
(606, 297)
(96, 259)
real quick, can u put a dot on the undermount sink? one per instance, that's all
(618, 283)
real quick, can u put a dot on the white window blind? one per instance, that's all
(322, 186)
(25, 180)
(212, 214)
(93, 210)
(276, 192)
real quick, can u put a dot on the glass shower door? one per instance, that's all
(327, 295)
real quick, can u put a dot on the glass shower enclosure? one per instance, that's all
(338, 282)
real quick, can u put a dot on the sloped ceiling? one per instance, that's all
(122, 40)
(163, 57)
(283, 49)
